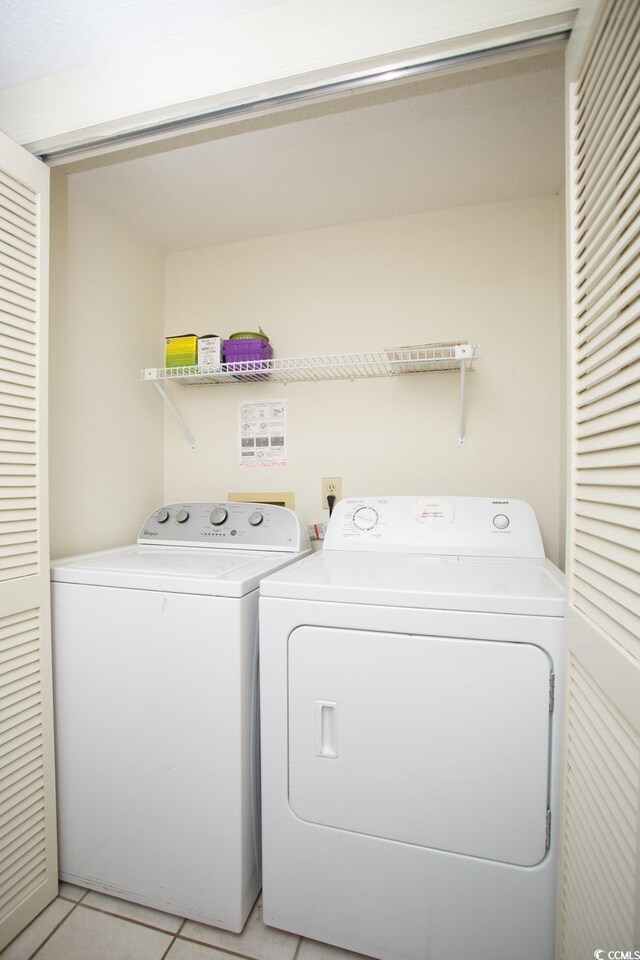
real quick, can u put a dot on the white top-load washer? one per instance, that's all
(410, 685)
(155, 684)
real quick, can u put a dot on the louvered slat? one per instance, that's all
(618, 258)
(611, 203)
(618, 377)
(605, 614)
(15, 391)
(26, 819)
(23, 238)
(11, 259)
(601, 821)
(11, 308)
(18, 394)
(616, 155)
(18, 378)
(618, 98)
(610, 597)
(590, 804)
(26, 282)
(13, 706)
(601, 243)
(618, 335)
(12, 318)
(587, 94)
(608, 513)
(10, 187)
(606, 477)
(611, 557)
(17, 208)
(608, 532)
(605, 586)
(18, 640)
(620, 277)
(606, 430)
(23, 828)
(26, 693)
(589, 416)
(14, 252)
(622, 451)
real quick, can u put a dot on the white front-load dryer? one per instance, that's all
(155, 683)
(410, 733)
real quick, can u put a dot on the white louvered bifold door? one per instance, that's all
(28, 858)
(600, 883)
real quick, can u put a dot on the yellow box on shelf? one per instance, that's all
(181, 351)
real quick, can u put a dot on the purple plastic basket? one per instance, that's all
(246, 348)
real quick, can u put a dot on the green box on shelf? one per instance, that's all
(181, 351)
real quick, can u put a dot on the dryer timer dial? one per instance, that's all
(365, 518)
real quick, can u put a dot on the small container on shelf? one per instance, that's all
(247, 346)
(209, 351)
(181, 351)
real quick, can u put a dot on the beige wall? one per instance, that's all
(107, 312)
(488, 273)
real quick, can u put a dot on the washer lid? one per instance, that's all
(530, 587)
(207, 571)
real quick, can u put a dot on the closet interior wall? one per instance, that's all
(489, 272)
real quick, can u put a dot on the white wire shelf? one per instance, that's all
(422, 358)
(426, 358)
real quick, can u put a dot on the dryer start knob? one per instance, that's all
(218, 516)
(501, 521)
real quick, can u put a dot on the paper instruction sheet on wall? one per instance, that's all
(263, 434)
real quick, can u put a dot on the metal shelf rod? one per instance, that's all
(167, 399)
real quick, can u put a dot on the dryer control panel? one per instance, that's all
(441, 526)
(239, 526)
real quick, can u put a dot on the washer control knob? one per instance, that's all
(365, 518)
(162, 516)
(501, 521)
(218, 516)
(256, 518)
(182, 516)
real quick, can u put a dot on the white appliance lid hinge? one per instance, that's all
(552, 691)
(548, 838)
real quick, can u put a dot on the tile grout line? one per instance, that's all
(173, 940)
(55, 929)
(220, 949)
(174, 936)
(140, 923)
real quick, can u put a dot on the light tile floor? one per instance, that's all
(83, 925)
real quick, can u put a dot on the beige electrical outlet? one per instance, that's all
(331, 486)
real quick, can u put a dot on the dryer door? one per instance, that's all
(432, 741)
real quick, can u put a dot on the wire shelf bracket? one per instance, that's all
(174, 410)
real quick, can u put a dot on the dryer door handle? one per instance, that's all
(326, 722)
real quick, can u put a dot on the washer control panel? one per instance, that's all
(240, 526)
(448, 526)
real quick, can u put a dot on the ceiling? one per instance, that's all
(40, 37)
(494, 133)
